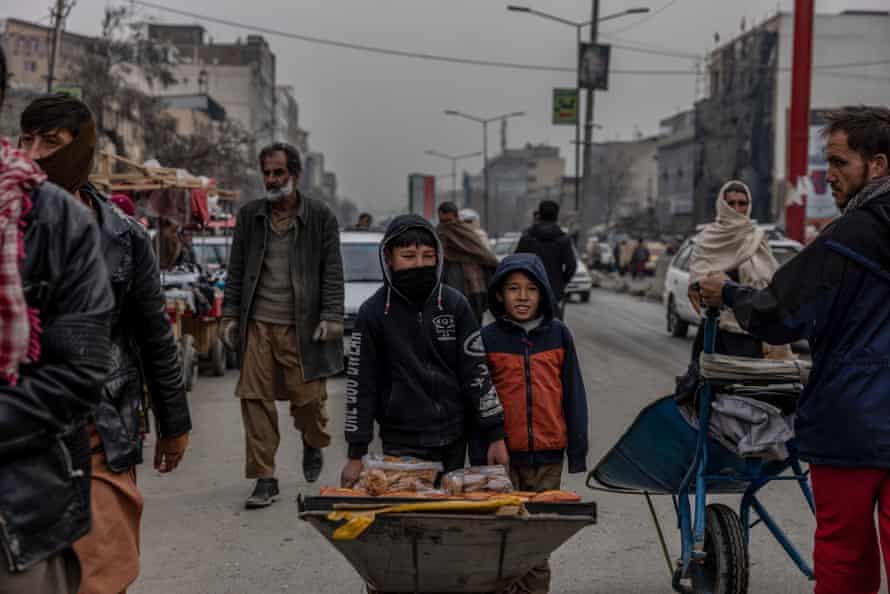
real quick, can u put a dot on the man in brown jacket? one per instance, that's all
(283, 312)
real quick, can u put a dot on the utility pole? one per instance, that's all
(799, 133)
(59, 13)
(588, 123)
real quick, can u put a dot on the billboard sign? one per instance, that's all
(422, 195)
(565, 107)
(593, 66)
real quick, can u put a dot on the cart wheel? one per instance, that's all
(189, 362)
(725, 570)
(231, 359)
(217, 358)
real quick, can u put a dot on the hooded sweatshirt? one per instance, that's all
(536, 373)
(418, 369)
(550, 243)
(835, 293)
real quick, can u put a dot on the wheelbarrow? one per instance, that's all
(662, 453)
(440, 551)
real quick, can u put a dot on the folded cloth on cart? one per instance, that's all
(724, 368)
(782, 396)
(750, 427)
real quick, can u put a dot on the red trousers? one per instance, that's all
(847, 559)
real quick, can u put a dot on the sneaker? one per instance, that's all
(313, 461)
(264, 493)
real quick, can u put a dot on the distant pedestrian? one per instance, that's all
(365, 220)
(283, 312)
(638, 259)
(469, 263)
(550, 243)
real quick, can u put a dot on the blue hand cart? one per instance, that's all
(663, 454)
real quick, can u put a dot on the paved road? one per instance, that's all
(197, 538)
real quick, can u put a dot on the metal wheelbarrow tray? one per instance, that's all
(439, 553)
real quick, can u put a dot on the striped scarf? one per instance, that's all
(876, 187)
(19, 324)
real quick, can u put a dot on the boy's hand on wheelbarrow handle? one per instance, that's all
(351, 473)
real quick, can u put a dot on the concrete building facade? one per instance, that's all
(240, 75)
(676, 156)
(742, 125)
(28, 47)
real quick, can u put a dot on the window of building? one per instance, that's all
(30, 66)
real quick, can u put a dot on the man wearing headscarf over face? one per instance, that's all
(58, 131)
(55, 306)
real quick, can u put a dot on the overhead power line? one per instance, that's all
(466, 61)
(646, 18)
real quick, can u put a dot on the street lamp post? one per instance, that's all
(484, 122)
(578, 25)
(454, 159)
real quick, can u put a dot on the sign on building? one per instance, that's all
(593, 66)
(820, 202)
(422, 195)
(565, 107)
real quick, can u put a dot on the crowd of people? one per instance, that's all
(85, 336)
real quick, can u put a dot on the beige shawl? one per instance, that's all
(734, 242)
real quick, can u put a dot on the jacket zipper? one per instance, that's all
(528, 396)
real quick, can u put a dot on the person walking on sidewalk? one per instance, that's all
(469, 263)
(835, 292)
(549, 242)
(534, 367)
(283, 312)
(59, 132)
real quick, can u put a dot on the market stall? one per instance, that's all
(173, 203)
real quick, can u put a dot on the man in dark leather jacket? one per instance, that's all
(44, 449)
(59, 133)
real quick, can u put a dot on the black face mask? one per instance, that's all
(416, 284)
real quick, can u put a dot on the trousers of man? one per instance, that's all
(109, 552)
(60, 574)
(546, 477)
(847, 556)
(272, 371)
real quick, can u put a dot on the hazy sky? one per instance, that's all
(373, 116)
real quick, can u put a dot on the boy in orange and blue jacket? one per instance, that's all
(532, 360)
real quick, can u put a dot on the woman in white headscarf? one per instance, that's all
(735, 245)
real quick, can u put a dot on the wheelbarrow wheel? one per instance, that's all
(725, 570)
(217, 358)
(189, 362)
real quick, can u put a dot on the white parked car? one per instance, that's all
(362, 275)
(506, 245)
(678, 308)
(580, 285)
